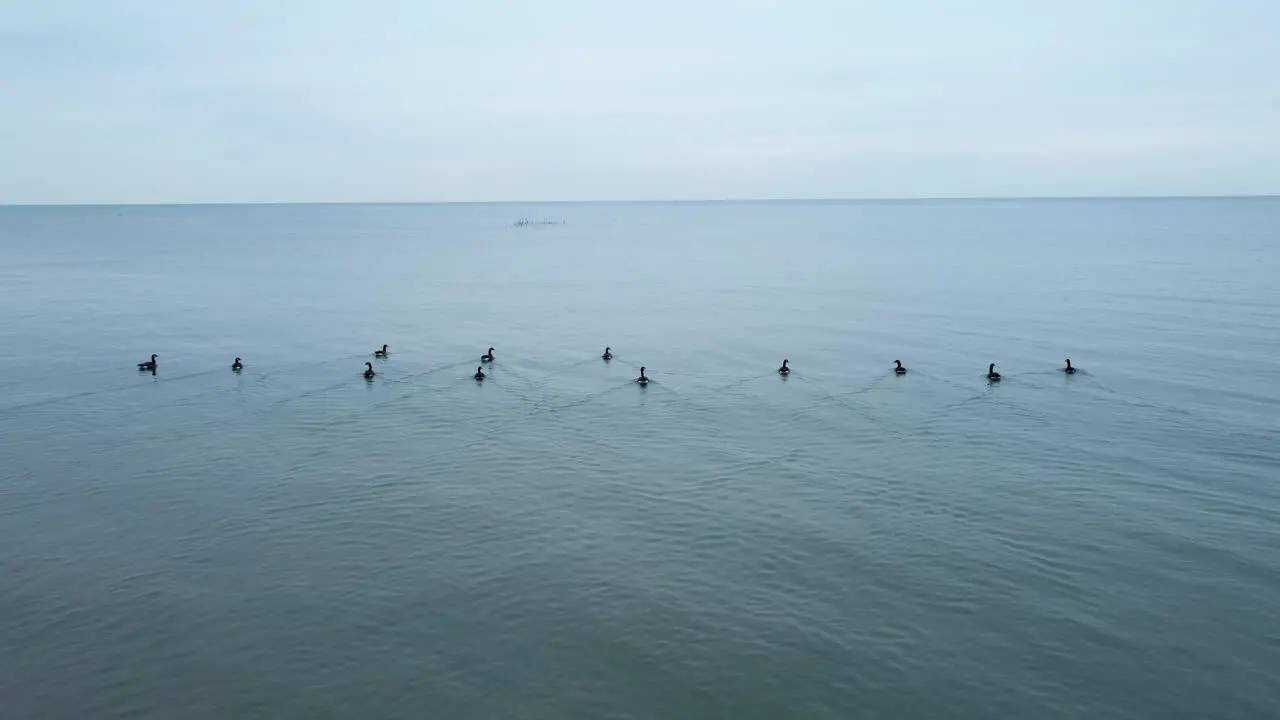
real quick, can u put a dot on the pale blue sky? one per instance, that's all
(283, 100)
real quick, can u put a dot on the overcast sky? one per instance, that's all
(105, 101)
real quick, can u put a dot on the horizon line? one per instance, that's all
(956, 198)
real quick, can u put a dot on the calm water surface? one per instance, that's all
(557, 542)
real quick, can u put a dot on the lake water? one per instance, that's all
(558, 542)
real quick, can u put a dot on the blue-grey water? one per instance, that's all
(558, 542)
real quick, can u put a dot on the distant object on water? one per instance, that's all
(607, 354)
(526, 222)
(487, 357)
(479, 373)
(992, 375)
(380, 353)
(642, 379)
(784, 370)
(1068, 369)
(150, 364)
(899, 369)
(237, 366)
(368, 372)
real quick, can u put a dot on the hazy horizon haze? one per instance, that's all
(143, 102)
